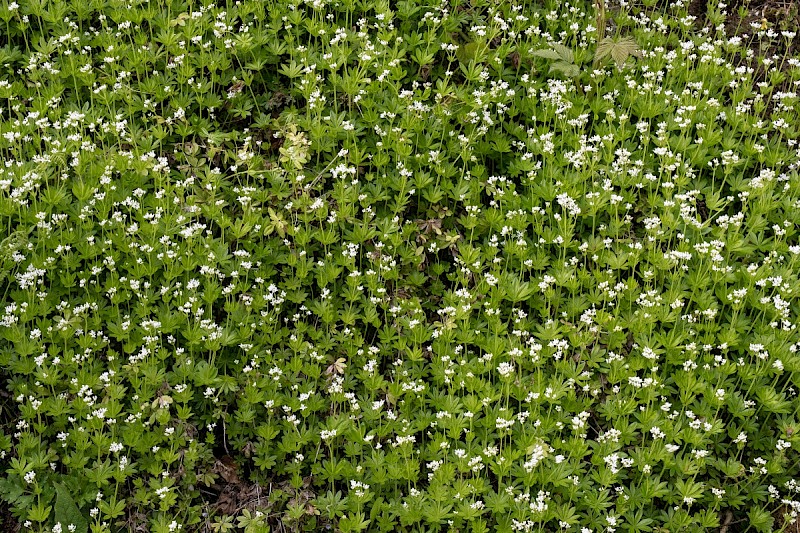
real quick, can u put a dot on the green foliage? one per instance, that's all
(397, 266)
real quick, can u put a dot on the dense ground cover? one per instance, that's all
(399, 266)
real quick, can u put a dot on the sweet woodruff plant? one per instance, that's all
(461, 266)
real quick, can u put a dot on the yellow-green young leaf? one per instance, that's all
(337, 367)
(622, 50)
(39, 512)
(180, 20)
(619, 50)
(603, 49)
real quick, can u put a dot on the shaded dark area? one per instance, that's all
(9, 414)
(233, 492)
(8, 521)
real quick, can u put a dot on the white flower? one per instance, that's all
(505, 369)
(648, 353)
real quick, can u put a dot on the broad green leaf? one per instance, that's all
(603, 49)
(546, 54)
(67, 513)
(619, 50)
(564, 53)
(567, 69)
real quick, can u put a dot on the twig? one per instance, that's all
(225, 437)
(314, 181)
(601, 18)
(726, 522)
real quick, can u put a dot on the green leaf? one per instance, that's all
(467, 52)
(619, 50)
(291, 70)
(39, 512)
(603, 49)
(760, 519)
(567, 69)
(546, 54)
(564, 53)
(353, 523)
(622, 50)
(689, 489)
(67, 512)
